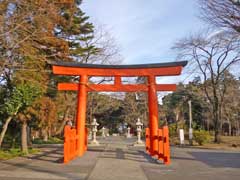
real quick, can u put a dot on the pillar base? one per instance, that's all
(139, 143)
(95, 143)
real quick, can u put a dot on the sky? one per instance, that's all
(144, 30)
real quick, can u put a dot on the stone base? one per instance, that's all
(94, 143)
(139, 144)
(128, 136)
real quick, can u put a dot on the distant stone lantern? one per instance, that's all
(94, 126)
(128, 132)
(139, 131)
(103, 132)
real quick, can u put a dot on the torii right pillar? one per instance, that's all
(153, 115)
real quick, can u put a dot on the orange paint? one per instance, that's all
(70, 149)
(166, 146)
(116, 87)
(160, 144)
(147, 139)
(81, 115)
(153, 115)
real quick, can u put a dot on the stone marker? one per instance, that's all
(181, 136)
(94, 125)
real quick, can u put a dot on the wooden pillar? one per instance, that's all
(81, 115)
(153, 115)
(166, 147)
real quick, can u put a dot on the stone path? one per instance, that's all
(116, 159)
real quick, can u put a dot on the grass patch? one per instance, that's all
(52, 140)
(15, 152)
(227, 143)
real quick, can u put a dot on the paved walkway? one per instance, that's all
(116, 159)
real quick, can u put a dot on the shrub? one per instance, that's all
(201, 137)
(172, 130)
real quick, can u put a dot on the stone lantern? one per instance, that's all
(94, 126)
(103, 132)
(128, 132)
(139, 131)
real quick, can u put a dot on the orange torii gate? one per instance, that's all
(84, 71)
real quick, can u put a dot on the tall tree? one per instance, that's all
(22, 97)
(213, 56)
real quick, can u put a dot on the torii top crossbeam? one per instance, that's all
(158, 69)
(118, 71)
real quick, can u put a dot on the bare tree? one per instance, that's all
(223, 14)
(213, 55)
(106, 49)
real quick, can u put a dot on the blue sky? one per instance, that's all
(145, 30)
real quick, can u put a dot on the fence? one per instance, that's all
(163, 144)
(70, 144)
(147, 134)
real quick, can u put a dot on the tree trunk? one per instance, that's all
(238, 129)
(29, 138)
(49, 133)
(217, 129)
(45, 134)
(24, 144)
(60, 130)
(4, 130)
(217, 125)
(229, 127)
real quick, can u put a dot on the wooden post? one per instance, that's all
(166, 147)
(153, 115)
(160, 144)
(81, 115)
(66, 144)
(147, 139)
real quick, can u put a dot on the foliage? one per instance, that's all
(201, 137)
(176, 108)
(173, 130)
(45, 113)
(105, 109)
(23, 95)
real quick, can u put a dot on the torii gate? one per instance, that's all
(151, 71)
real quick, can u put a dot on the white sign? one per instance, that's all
(190, 133)
(181, 136)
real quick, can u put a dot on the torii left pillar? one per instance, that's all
(153, 115)
(81, 115)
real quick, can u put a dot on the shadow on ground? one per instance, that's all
(218, 159)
